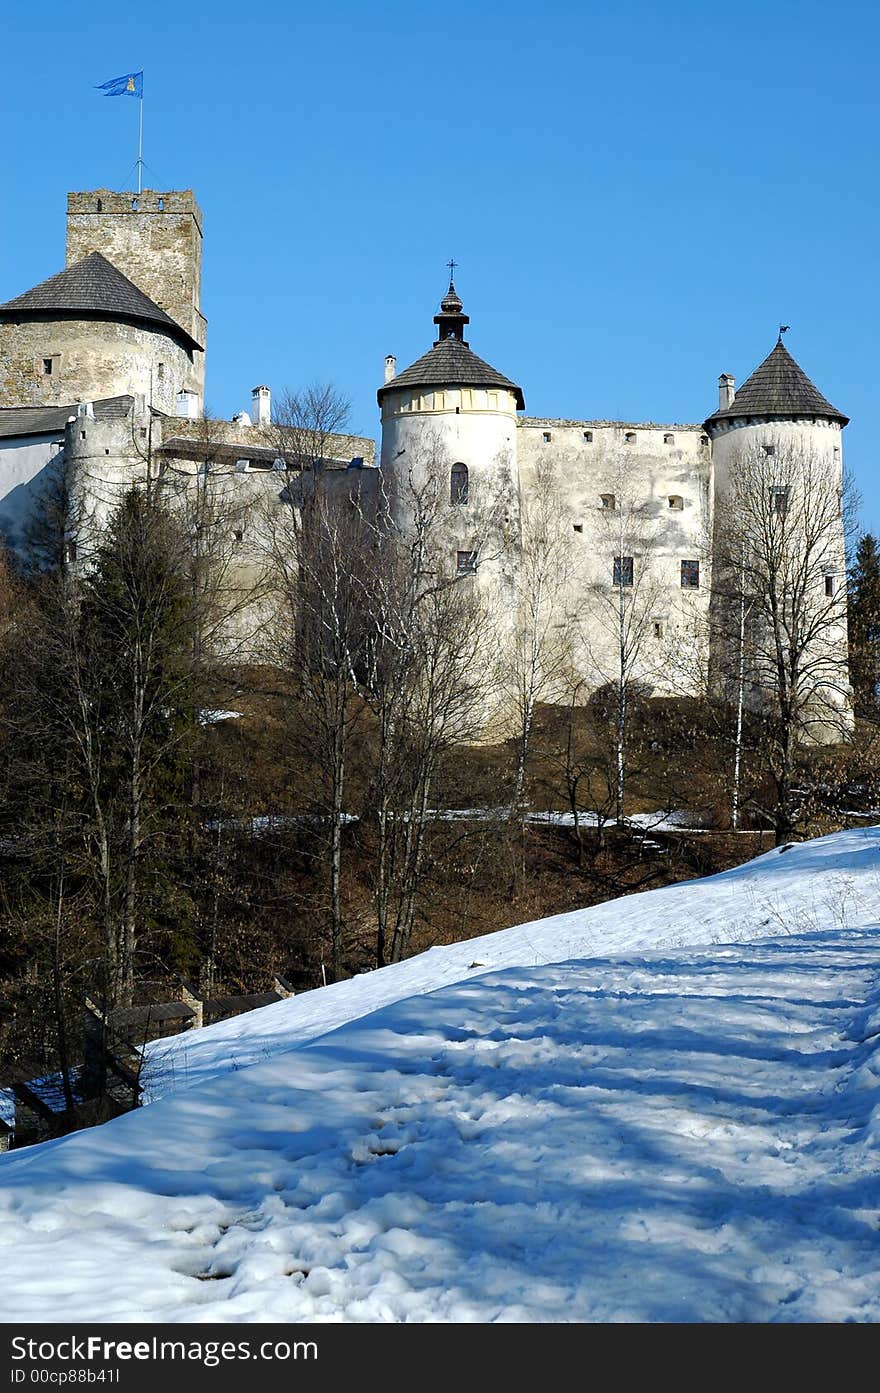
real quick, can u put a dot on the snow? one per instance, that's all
(212, 717)
(662, 1109)
(832, 882)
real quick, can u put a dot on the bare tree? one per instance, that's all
(428, 680)
(626, 597)
(779, 608)
(540, 657)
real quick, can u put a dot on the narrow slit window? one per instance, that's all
(658, 628)
(47, 367)
(465, 562)
(829, 586)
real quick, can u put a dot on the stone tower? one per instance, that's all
(779, 421)
(452, 418)
(155, 239)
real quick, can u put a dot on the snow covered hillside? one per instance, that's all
(833, 882)
(666, 1108)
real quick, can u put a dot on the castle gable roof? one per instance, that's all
(450, 363)
(18, 422)
(780, 388)
(93, 289)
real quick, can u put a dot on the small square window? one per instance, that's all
(546, 436)
(623, 570)
(769, 449)
(608, 501)
(238, 535)
(465, 562)
(669, 440)
(704, 440)
(676, 502)
(629, 437)
(588, 437)
(690, 575)
(578, 527)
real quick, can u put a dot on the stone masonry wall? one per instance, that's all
(90, 360)
(159, 248)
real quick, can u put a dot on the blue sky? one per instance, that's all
(637, 195)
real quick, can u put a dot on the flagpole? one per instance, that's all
(140, 140)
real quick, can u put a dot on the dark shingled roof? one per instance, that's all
(93, 289)
(18, 421)
(450, 363)
(778, 387)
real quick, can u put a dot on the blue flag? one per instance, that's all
(131, 85)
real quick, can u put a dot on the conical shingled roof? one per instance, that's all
(779, 388)
(93, 288)
(450, 363)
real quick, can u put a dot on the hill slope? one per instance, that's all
(687, 1133)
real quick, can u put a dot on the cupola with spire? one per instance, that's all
(451, 319)
(450, 362)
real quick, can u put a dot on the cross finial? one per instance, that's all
(451, 263)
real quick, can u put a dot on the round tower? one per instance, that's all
(90, 333)
(449, 430)
(780, 438)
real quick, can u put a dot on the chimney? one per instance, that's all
(390, 367)
(726, 393)
(187, 405)
(261, 406)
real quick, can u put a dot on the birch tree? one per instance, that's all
(779, 607)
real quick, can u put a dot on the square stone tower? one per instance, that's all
(153, 238)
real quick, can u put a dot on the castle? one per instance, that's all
(102, 366)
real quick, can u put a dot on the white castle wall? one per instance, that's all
(26, 464)
(644, 467)
(425, 432)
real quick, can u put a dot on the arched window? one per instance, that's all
(458, 484)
